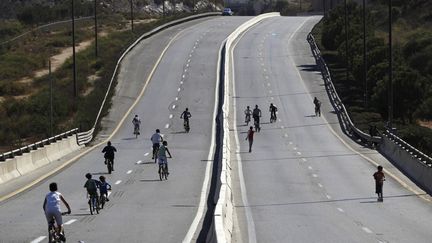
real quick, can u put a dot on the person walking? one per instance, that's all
(379, 181)
(249, 137)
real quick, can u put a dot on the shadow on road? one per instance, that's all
(154, 180)
(332, 201)
(100, 173)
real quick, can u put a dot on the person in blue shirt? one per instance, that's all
(104, 187)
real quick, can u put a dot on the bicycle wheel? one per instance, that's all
(165, 172)
(90, 205)
(109, 165)
(160, 172)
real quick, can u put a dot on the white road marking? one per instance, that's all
(314, 175)
(320, 185)
(367, 230)
(271, 92)
(170, 116)
(286, 135)
(290, 143)
(118, 182)
(328, 196)
(146, 154)
(340, 210)
(174, 106)
(167, 125)
(310, 167)
(190, 55)
(109, 193)
(178, 90)
(268, 84)
(70, 221)
(176, 98)
(187, 65)
(295, 148)
(139, 161)
(304, 160)
(272, 98)
(266, 77)
(183, 76)
(185, 70)
(280, 119)
(39, 239)
(128, 172)
(282, 127)
(299, 153)
(188, 60)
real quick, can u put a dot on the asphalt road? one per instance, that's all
(301, 181)
(142, 208)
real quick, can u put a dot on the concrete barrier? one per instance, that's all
(411, 165)
(223, 214)
(28, 162)
(8, 170)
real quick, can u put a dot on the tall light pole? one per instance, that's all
(96, 28)
(132, 15)
(390, 79)
(364, 56)
(346, 40)
(75, 90)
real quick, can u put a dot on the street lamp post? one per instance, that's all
(75, 91)
(346, 41)
(364, 56)
(96, 28)
(390, 79)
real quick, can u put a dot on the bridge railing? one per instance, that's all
(35, 146)
(346, 122)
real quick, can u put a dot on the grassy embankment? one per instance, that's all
(24, 104)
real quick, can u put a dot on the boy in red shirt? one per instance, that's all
(379, 181)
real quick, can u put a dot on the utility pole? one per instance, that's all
(346, 41)
(132, 16)
(390, 79)
(51, 97)
(364, 56)
(73, 51)
(96, 28)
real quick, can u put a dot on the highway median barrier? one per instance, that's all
(223, 213)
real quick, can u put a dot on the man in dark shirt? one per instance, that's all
(109, 153)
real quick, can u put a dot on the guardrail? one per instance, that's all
(347, 125)
(223, 214)
(35, 146)
(415, 153)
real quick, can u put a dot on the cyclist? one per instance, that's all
(248, 113)
(162, 155)
(256, 116)
(186, 115)
(156, 140)
(104, 187)
(273, 110)
(317, 104)
(109, 153)
(51, 207)
(136, 121)
(92, 186)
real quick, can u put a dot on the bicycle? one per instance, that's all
(272, 117)
(247, 119)
(136, 130)
(186, 125)
(94, 204)
(109, 164)
(102, 200)
(163, 171)
(53, 234)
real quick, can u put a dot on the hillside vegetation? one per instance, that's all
(412, 65)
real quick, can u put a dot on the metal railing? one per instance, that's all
(409, 148)
(35, 146)
(347, 124)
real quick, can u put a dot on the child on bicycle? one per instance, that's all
(52, 209)
(104, 187)
(162, 157)
(92, 186)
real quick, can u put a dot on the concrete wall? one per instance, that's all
(28, 162)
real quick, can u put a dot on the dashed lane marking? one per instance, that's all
(320, 185)
(146, 154)
(118, 182)
(176, 98)
(39, 239)
(128, 172)
(174, 106)
(367, 230)
(315, 175)
(70, 221)
(178, 89)
(139, 162)
(167, 126)
(340, 210)
(310, 167)
(299, 153)
(304, 160)
(328, 196)
(170, 116)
